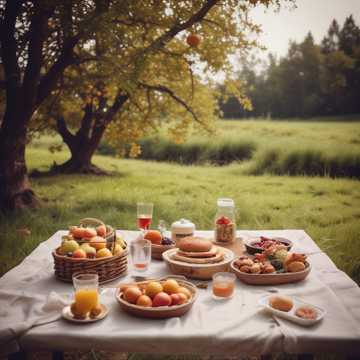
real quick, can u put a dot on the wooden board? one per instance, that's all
(237, 247)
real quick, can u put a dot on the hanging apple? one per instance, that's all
(193, 40)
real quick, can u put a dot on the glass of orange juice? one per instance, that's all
(86, 292)
(223, 285)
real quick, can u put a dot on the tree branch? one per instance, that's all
(166, 90)
(8, 47)
(86, 122)
(37, 34)
(161, 41)
(62, 129)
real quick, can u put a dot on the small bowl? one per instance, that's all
(251, 249)
(157, 250)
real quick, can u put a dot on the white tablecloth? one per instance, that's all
(227, 327)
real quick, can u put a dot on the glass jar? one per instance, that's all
(225, 226)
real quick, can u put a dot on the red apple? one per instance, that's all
(161, 299)
(79, 254)
(101, 230)
(89, 233)
(193, 40)
(175, 299)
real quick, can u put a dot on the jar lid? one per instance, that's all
(225, 202)
(182, 224)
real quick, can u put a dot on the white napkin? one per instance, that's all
(21, 310)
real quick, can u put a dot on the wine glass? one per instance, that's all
(144, 215)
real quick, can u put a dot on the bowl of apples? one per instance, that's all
(157, 299)
(91, 246)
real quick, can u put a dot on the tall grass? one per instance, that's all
(305, 162)
(196, 152)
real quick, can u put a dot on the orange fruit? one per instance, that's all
(154, 236)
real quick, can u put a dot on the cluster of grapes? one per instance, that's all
(166, 241)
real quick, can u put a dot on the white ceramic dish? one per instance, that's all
(67, 314)
(290, 315)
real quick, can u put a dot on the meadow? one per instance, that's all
(314, 148)
(327, 209)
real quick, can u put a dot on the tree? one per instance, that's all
(41, 39)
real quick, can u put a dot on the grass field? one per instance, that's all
(328, 209)
(276, 147)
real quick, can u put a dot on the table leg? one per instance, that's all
(20, 355)
(57, 355)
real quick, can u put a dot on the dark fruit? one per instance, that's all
(166, 241)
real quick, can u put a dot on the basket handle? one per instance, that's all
(91, 221)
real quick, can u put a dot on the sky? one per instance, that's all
(293, 24)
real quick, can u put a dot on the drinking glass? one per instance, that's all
(144, 215)
(140, 254)
(223, 285)
(86, 291)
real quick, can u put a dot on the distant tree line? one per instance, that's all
(311, 80)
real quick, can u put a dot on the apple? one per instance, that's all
(89, 233)
(79, 254)
(98, 242)
(118, 250)
(101, 230)
(105, 252)
(131, 294)
(193, 40)
(183, 298)
(90, 251)
(77, 232)
(144, 300)
(69, 246)
(161, 299)
(153, 288)
(175, 299)
(171, 286)
(184, 291)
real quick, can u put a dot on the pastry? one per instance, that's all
(280, 302)
(199, 254)
(207, 260)
(194, 244)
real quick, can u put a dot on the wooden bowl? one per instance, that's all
(161, 312)
(271, 279)
(250, 249)
(198, 271)
(157, 250)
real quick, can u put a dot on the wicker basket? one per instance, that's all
(108, 269)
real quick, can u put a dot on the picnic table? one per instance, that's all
(226, 328)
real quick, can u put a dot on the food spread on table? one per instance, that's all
(95, 240)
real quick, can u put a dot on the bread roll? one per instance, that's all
(296, 266)
(280, 302)
(194, 244)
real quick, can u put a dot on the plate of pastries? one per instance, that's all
(276, 265)
(198, 258)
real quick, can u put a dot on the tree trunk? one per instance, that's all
(82, 146)
(80, 160)
(15, 191)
